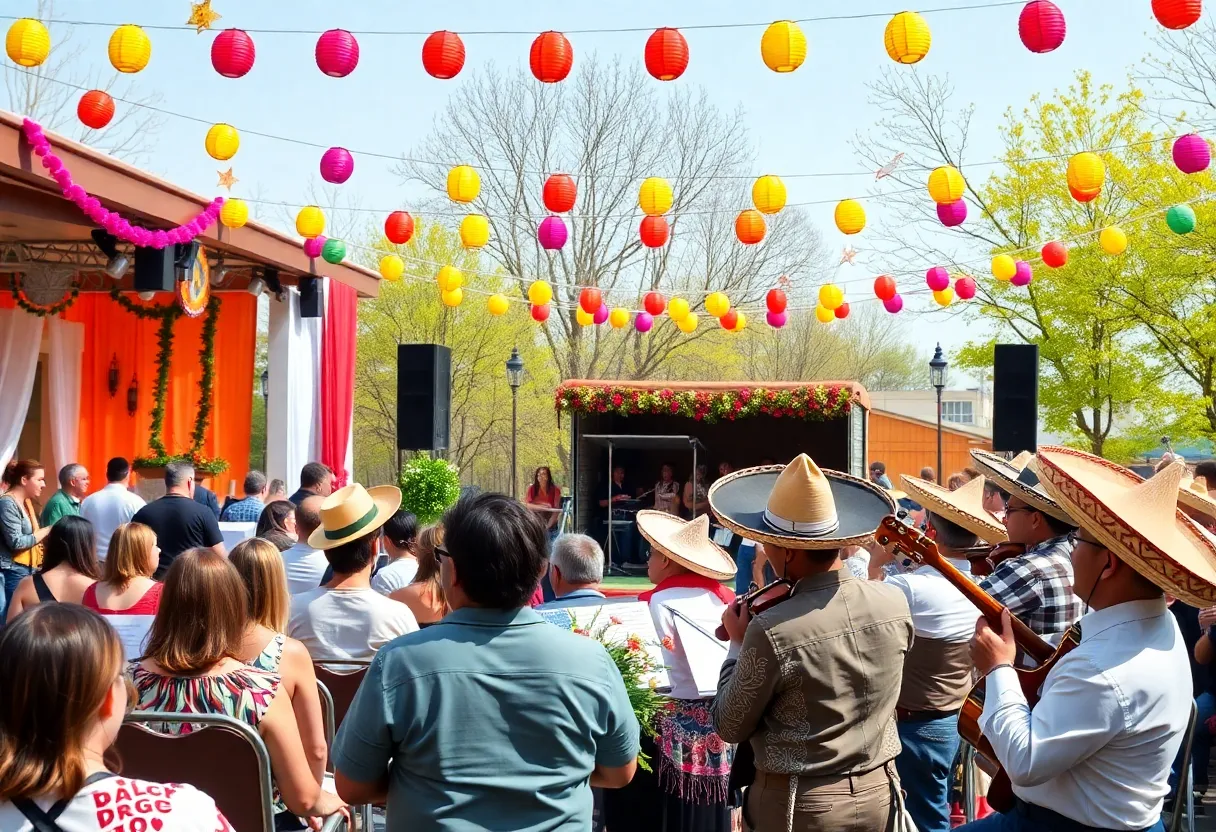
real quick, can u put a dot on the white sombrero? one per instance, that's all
(964, 506)
(1193, 493)
(353, 512)
(1019, 479)
(687, 543)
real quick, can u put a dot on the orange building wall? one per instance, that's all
(907, 445)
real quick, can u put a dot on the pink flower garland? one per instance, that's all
(107, 219)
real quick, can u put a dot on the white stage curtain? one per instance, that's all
(65, 348)
(20, 342)
(293, 417)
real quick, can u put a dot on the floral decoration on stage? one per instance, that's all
(428, 487)
(813, 403)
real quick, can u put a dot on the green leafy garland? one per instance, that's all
(42, 311)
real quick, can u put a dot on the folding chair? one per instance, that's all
(1184, 795)
(337, 693)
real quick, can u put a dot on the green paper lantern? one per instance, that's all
(1180, 219)
(334, 251)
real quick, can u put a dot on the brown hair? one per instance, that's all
(59, 662)
(428, 563)
(71, 541)
(261, 568)
(127, 557)
(956, 481)
(17, 470)
(202, 615)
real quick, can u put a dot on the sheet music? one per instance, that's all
(704, 652)
(624, 620)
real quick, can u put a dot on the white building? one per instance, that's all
(971, 407)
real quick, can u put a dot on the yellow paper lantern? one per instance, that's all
(850, 216)
(907, 38)
(783, 46)
(1086, 173)
(310, 222)
(498, 305)
(28, 42)
(946, 185)
(474, 231)
(1004, 267)
(463, 184)
(830, 297)
(678, 309)
(234, 214)
(450, 279)
(540, 293)
(452, 298)
(583, 318)
(717, 304)
(1113, 240)
(944, 297)
(825, 315)
(130, 49)
(618, 318)
(768, 194)
(655, 196)
(740, 323)
(223, 141)
(688, 323)
(391, 267)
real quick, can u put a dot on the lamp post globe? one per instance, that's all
(937, 377)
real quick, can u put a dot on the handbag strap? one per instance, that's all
(44, 821)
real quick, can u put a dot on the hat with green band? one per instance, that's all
(354, 512)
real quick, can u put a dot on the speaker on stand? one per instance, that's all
(1015, 398)
(424, 397)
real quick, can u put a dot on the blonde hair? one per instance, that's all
(127, 557)
(261, 568)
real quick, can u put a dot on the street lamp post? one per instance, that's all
(515, 377)
(265, 414)
(937, 377)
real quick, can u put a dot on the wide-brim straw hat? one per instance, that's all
(800, 506)
(1136, 519)
(963, 507)
(1019, 479)
(1193, 493)
(354, 512)
(687, 543)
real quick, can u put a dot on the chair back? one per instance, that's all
(225, 758)
(341, 686)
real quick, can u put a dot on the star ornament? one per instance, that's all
(201, 16)
(227, 180)
(849, 255)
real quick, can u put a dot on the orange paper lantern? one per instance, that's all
(666, 54)
(95, 109)
(551, 57)
(749, 227)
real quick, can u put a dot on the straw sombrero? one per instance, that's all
(1018, 478)
(687, 543)
(1193, 493)
(353, 512)
(1136, 519)
(800, 506)
(963, 506)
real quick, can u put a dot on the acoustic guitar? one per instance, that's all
(910, 542)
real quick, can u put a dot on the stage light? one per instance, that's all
(107, 243)
(256, 286)
(219, 273)
(147, 295)
(184, 256)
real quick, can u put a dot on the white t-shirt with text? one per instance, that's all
(120, 803)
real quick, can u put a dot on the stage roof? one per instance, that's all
(859, 392)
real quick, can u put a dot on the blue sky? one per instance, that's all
(801, 122)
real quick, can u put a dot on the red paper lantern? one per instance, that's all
(232, 53)
(443, 54)
(884, 287)
(666, 54)
(654, 232)
(399, 227)
(551, 57)
(1177, 14)
(337, 53)
(730, 320)
(590, 300)
(964, 287)
(775, 301)
(1083, 196)
(842, 311)
(95, 109)
(559, 193)
(654, 303)
(540, 312)
(1041, 26)
(1055, 255)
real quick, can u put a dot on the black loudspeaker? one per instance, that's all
(155, 270)
(310, 297)
(184, 255)
(424, 396)
(1015, 398)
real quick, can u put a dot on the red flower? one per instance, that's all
(772, 395)
(668, 643)
(617, 399)
(745, 394)
(738, 404)
(634, 644)
(675, 407)
(697, 416)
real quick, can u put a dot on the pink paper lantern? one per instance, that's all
(937, 278)
(952, 214)
(1023, 275)
(601, 314)
(964, 287)
(1191, 153)
(644, 321)
(313, 246)
(893, 304)
(776, 319)
(337, 53)
(553, 234)
(337, 165)
(1041, 26)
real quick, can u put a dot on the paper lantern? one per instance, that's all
(1004, 267)
(1191, 153)
(688, 323)
(717, 304)
(749, 227)
(964, 287)
(234, 213)
(643, 322)
(552, 233)
(730, 320)
(310, 222)
(601, 314)
(559, 193)
(937, 278)
(1112, 240)
(222, 142)
(337, 165)
(334, 251)
(830, 296)
(946, 185)
(313, 246)
(678, 309)
(1055, 255)
(654, 232)
(540, 293)
(655, 303)
(443, 55)
(474, 231)
(551, 57)
(464, 184)
(540, 312)
(391, 267)
(1041, 26)
(952, 214)
(1086, 173)
(497, 304)
(783, 46)
(337, 53)
(775, 300)
(666, 54)
(740, 321)
(449, 278)
(655, 196)
(944, 297)
(893, 304)
(825, 315)
(850, 216)
(1177, 14)
(1022, 275)
(775, 319)
(1180, 219)
(884, 287)
(452, 298)
(399, 227)
(590, 300)
(583, 318)
(28, 42)
(95, 109)
(768, 194)
(232, 53)
(619, 318)
(907, 38)
(1081, 196)
(130, 49)
(841, 311)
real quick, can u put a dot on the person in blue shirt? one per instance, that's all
(249, 508)
(491, 718)
(576, 569)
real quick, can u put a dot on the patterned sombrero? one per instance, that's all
(1019, 478)
(1193, 493)
(963, 506)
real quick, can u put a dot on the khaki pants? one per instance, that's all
(856, 803)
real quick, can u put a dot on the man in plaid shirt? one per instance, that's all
(249, 509)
